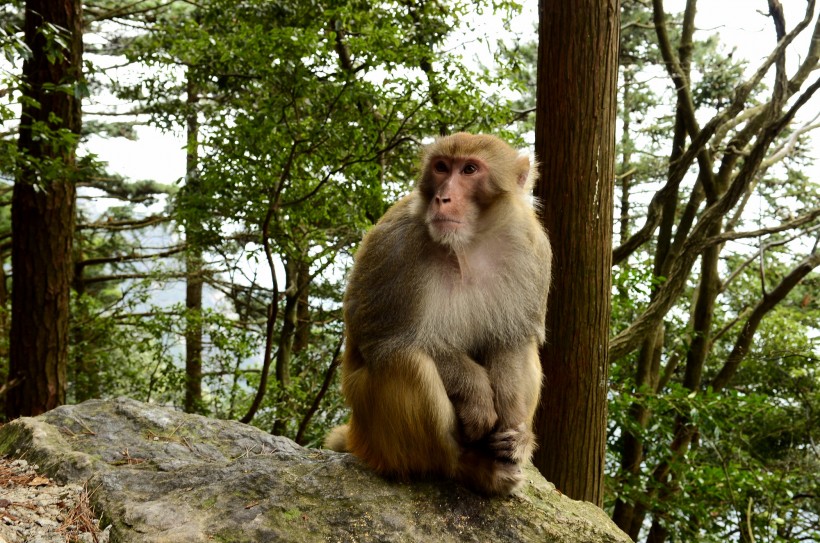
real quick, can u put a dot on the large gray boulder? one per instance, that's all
(159, 475)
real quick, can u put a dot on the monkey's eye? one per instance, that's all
(440, 167)
(470, 168)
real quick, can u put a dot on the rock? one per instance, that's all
(159, 475)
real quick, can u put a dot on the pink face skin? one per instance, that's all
(457, 184)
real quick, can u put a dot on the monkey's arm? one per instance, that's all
(468, 386)
(516, 377)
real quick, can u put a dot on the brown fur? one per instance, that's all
(444, 313)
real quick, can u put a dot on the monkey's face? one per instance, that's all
(455, 189)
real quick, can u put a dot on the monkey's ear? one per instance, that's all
(526, 175)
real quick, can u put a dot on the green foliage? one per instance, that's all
(308, 119)
(717, 74)
(727, 464)
(632, 288)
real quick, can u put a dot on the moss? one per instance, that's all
(10, 438)
(291, 514)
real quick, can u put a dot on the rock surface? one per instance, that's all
(159, 475)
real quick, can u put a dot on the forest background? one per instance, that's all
(217, 288)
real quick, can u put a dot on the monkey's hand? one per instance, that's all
(512, 445)
(476, 415)
(468, 386)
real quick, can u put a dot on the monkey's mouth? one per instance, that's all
(443, 219)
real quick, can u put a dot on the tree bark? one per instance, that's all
(303, 323)
(575, 140)
(43, 207)
(193, 260)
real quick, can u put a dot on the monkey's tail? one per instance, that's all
(337, 439)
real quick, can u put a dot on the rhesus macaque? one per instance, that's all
(444, 313)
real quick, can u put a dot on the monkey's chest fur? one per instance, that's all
(470, 303)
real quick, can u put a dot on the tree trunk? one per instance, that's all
(287, 337)
(43, 207)
(193, 261)
(303, 322)
(4, 319)
(626, 158)
(575, 141)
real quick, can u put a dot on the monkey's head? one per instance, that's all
(465, 178)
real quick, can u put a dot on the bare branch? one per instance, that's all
(78, 266)
(335, 362)
(685, 104)
(681, 167)
(125, 225)
(764, 247)
(123, 277)
(629, 339)
(788, 147)
(795, 223)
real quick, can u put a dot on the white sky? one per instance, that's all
(740, 23)
(154, 155)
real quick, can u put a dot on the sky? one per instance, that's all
(741, 23)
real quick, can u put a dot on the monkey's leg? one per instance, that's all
(402, 421)
(468, 386)
(493, 466)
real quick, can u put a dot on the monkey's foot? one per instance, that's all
(512, 445)
(505, 479)
(487, 475)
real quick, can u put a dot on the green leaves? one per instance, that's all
(57, 41)
(304, 120)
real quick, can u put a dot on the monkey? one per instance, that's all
(444, 313)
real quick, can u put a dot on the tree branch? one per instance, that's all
(728, 236)
(744, 339)
(630, 338)
(680, 78)
(331, 371)
(78, 266)
(123, 277)
(742, 94)
(764, 247)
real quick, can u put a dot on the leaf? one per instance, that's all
(39, 481)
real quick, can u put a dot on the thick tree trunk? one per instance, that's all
(43, 206)
(575, 142)
(193, 261)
